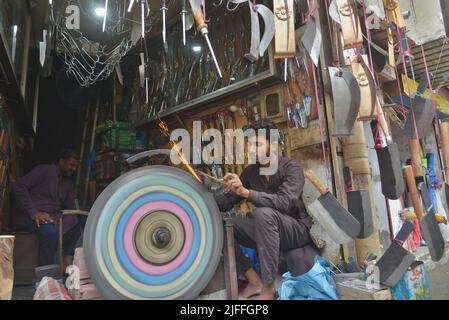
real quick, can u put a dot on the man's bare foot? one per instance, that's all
(251, 290)
(268, 292)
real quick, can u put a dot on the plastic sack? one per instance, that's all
(414, 285)
(51, 289)
(316, 284)
(252, 256)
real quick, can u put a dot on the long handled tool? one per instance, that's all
(444, 131)
(430, 230)
(341, 226)
(359, 205)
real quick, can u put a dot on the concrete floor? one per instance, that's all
(438, 274)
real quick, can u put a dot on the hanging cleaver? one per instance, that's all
(346, 94)
(430, 229)
(359, 205)
(422, 112)
(341, 226)
(396, 260)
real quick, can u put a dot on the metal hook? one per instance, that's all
(233, 9)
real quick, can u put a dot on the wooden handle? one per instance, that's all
(313, 178)
(413, 190)
(383, 124)
(444, 132)
(415, 153)
(199, 19)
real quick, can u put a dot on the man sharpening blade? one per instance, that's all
(278, 224)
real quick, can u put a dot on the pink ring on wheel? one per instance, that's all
(128, 238)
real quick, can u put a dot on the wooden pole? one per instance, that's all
(415, 153)
(355, 153)
(444, 132)
(6, 267)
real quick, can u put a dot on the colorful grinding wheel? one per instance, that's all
(154, 233)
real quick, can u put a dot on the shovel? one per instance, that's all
(359, 205)
(396, 260)
(430, 230)
(422, 111)
(341, 226)
(346, 94)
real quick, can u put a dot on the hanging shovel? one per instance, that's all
(422, 111)
(396, 260)
(430, 230)
(359, 205)
(341, 226)
(346, 94)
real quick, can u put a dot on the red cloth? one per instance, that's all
(50, 289)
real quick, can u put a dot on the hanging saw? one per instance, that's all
(202, 27)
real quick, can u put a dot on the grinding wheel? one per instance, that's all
(153, 233)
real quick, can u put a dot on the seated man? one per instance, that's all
(279, 222)
(39, 197)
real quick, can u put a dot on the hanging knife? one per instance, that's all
(202, 27)
(183, 15)
(164, 10)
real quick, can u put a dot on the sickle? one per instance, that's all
(268, 19)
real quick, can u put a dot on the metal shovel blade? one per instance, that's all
(359, 205)
(391, 177)
(268, 20)
(311, 39)
(346, 94)
(393, 264)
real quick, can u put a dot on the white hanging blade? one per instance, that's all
(333, 12)
(268, 19)
(253, 54)
(43, 48)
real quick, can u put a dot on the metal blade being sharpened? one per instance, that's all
(202, 26)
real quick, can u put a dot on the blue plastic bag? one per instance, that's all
(316, 284)
(414, 285)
